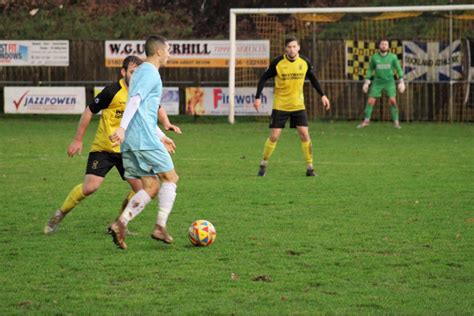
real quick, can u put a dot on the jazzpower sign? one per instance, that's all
(195, 54)
(45, 100)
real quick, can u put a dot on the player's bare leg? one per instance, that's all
(76, 195)
(369, 107)
(307, 148)
(394, 112)
(167, 196)
(270, 146)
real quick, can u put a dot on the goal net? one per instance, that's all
(433, 43)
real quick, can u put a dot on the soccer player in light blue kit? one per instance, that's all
(144, 156)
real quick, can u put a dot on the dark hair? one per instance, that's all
(152, 42)
(290, 39)
(131, 60)
(383, 39)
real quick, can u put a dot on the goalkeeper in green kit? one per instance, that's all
(381, 69)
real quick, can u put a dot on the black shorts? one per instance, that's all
(99, 163)
(297, 118)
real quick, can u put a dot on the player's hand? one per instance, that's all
(117, 137)
(326, 103)
(173, 128)
(169, 144)
(256, 104)
(74, 148)
(401, 86)
(366, 85)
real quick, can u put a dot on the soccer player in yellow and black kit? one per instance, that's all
(290, 72)
(103, 156)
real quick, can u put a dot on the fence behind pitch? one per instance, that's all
(423, 101)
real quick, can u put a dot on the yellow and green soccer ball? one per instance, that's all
(202, 233)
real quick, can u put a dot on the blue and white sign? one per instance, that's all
(431, 61)
(34, 53)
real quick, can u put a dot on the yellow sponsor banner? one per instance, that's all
(203, 63)
(195, 53)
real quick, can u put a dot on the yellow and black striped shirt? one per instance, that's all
(289, 80)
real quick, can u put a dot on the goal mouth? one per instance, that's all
(340, 41)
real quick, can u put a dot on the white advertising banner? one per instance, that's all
(34, 53)
(169, 99)
(45, 100)
(215, 101)
(195, 54)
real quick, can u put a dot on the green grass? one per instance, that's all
(387, 227)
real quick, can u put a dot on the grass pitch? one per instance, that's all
(387, 227)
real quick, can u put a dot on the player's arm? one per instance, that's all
(368, 76)
(315, 83)
(271, 72)
(370, 71)
(101, 101)
(130, 109)
(163, 119)
(168, 142)
(398, 68)
(77, 144)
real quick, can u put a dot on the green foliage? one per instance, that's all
(79, 24)
(86, 20)
(387, 227)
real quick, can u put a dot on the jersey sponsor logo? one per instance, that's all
(118, 114)
(292, 76)
(384, 66)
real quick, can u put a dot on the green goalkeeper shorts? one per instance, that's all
(376, 89)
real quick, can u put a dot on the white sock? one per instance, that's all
(264, 163)
(134, 207)
(167, 195)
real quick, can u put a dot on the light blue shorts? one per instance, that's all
(142, 163)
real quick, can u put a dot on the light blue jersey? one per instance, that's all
(141, 132)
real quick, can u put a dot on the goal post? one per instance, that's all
(234, 13)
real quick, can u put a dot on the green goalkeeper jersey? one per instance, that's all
(381, 68)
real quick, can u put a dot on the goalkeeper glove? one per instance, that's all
(366, 85)
(401, 86)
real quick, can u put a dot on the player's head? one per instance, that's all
(292, 47)
(158, 46)
(128, 67)
(384, 45)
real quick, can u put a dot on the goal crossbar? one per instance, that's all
(235, 12)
